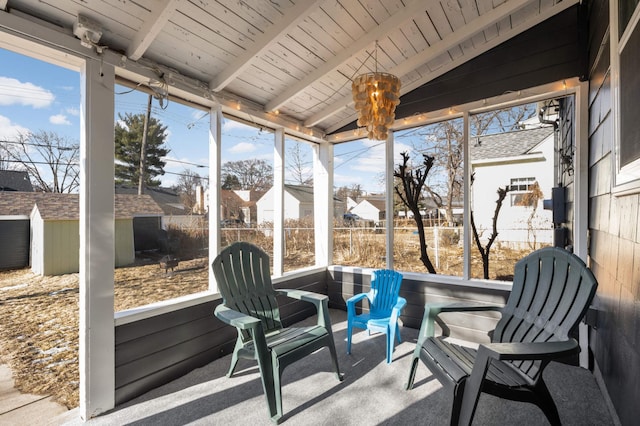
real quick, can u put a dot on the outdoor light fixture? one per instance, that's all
(376, 95)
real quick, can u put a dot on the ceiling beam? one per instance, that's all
(290, 19)
(151, 28)
(432, 52)
(544, 15)
(371, 36)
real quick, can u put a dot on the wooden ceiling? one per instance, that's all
(294, 57)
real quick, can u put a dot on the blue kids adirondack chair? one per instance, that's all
(385, 306)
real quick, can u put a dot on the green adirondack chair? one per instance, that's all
(552, 290)
(249, 303)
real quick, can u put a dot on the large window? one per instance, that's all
(161, 235)
(625, 62)
(360, 215)
(247, 193)
(299, 235)
(437, 151)
(513, 164)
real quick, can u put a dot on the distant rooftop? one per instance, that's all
(15, 180)
(509, 144)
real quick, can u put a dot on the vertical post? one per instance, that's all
(278, 203)
(581, 197)
(97, 242)
(215, 164)
(143, 148)
(466, 219)
(388, 157)
(323, 202)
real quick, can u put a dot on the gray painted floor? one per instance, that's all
(372, 393)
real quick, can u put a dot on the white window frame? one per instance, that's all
(626, 179)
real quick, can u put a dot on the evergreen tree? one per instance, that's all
(128, 139)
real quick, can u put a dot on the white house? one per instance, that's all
(370, 209)
(519, 160)
(298, 203)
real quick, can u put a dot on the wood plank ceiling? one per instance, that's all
(296, 57)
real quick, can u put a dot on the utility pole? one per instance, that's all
(143, 148)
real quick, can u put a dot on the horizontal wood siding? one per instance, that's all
(156, 350)
(614, 249)
(14, 246)
(344, 283)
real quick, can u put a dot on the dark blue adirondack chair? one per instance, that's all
(385, 306)
(552, 290)
(249, 303)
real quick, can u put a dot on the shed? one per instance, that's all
(15, 208)
(55, 241)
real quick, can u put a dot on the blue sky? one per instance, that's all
(35, 96)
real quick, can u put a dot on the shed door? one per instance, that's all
(14, 244)
(145, 232)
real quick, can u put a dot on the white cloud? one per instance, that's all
(73, 111)
(15, 92)
(9, 131)
(233, 125)
(59, 119)
(242, 148)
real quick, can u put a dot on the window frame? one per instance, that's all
(626, 178)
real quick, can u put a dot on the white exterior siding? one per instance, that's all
(513, 219)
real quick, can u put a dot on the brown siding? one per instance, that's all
(615, 239)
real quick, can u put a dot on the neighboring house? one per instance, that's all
(14, 180)
(517, 160)
(42, 230)
(239, 204)
(370, 209)
(298, 204)
(174, 213)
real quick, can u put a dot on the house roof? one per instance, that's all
(15, 180)
(53, 206)
(509, 144)
(168, 199)
(302, 193)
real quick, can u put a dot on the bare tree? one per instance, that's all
(186, 187)
(51, 160)
(412, 180)
(484, 251)
(298, 165)
(251, 174)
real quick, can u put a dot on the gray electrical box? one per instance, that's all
(559, 205)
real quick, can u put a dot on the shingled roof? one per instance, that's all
(510, 144)
(15, 180)
(168, 199)
(67, 206)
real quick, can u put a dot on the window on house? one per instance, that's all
(625, 61)
(521, 191)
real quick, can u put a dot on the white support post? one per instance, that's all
(388, 157)
(323, 202)
(581, 198)
(278, 203)
(97, 241)
(466, 221)
(215, 164)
